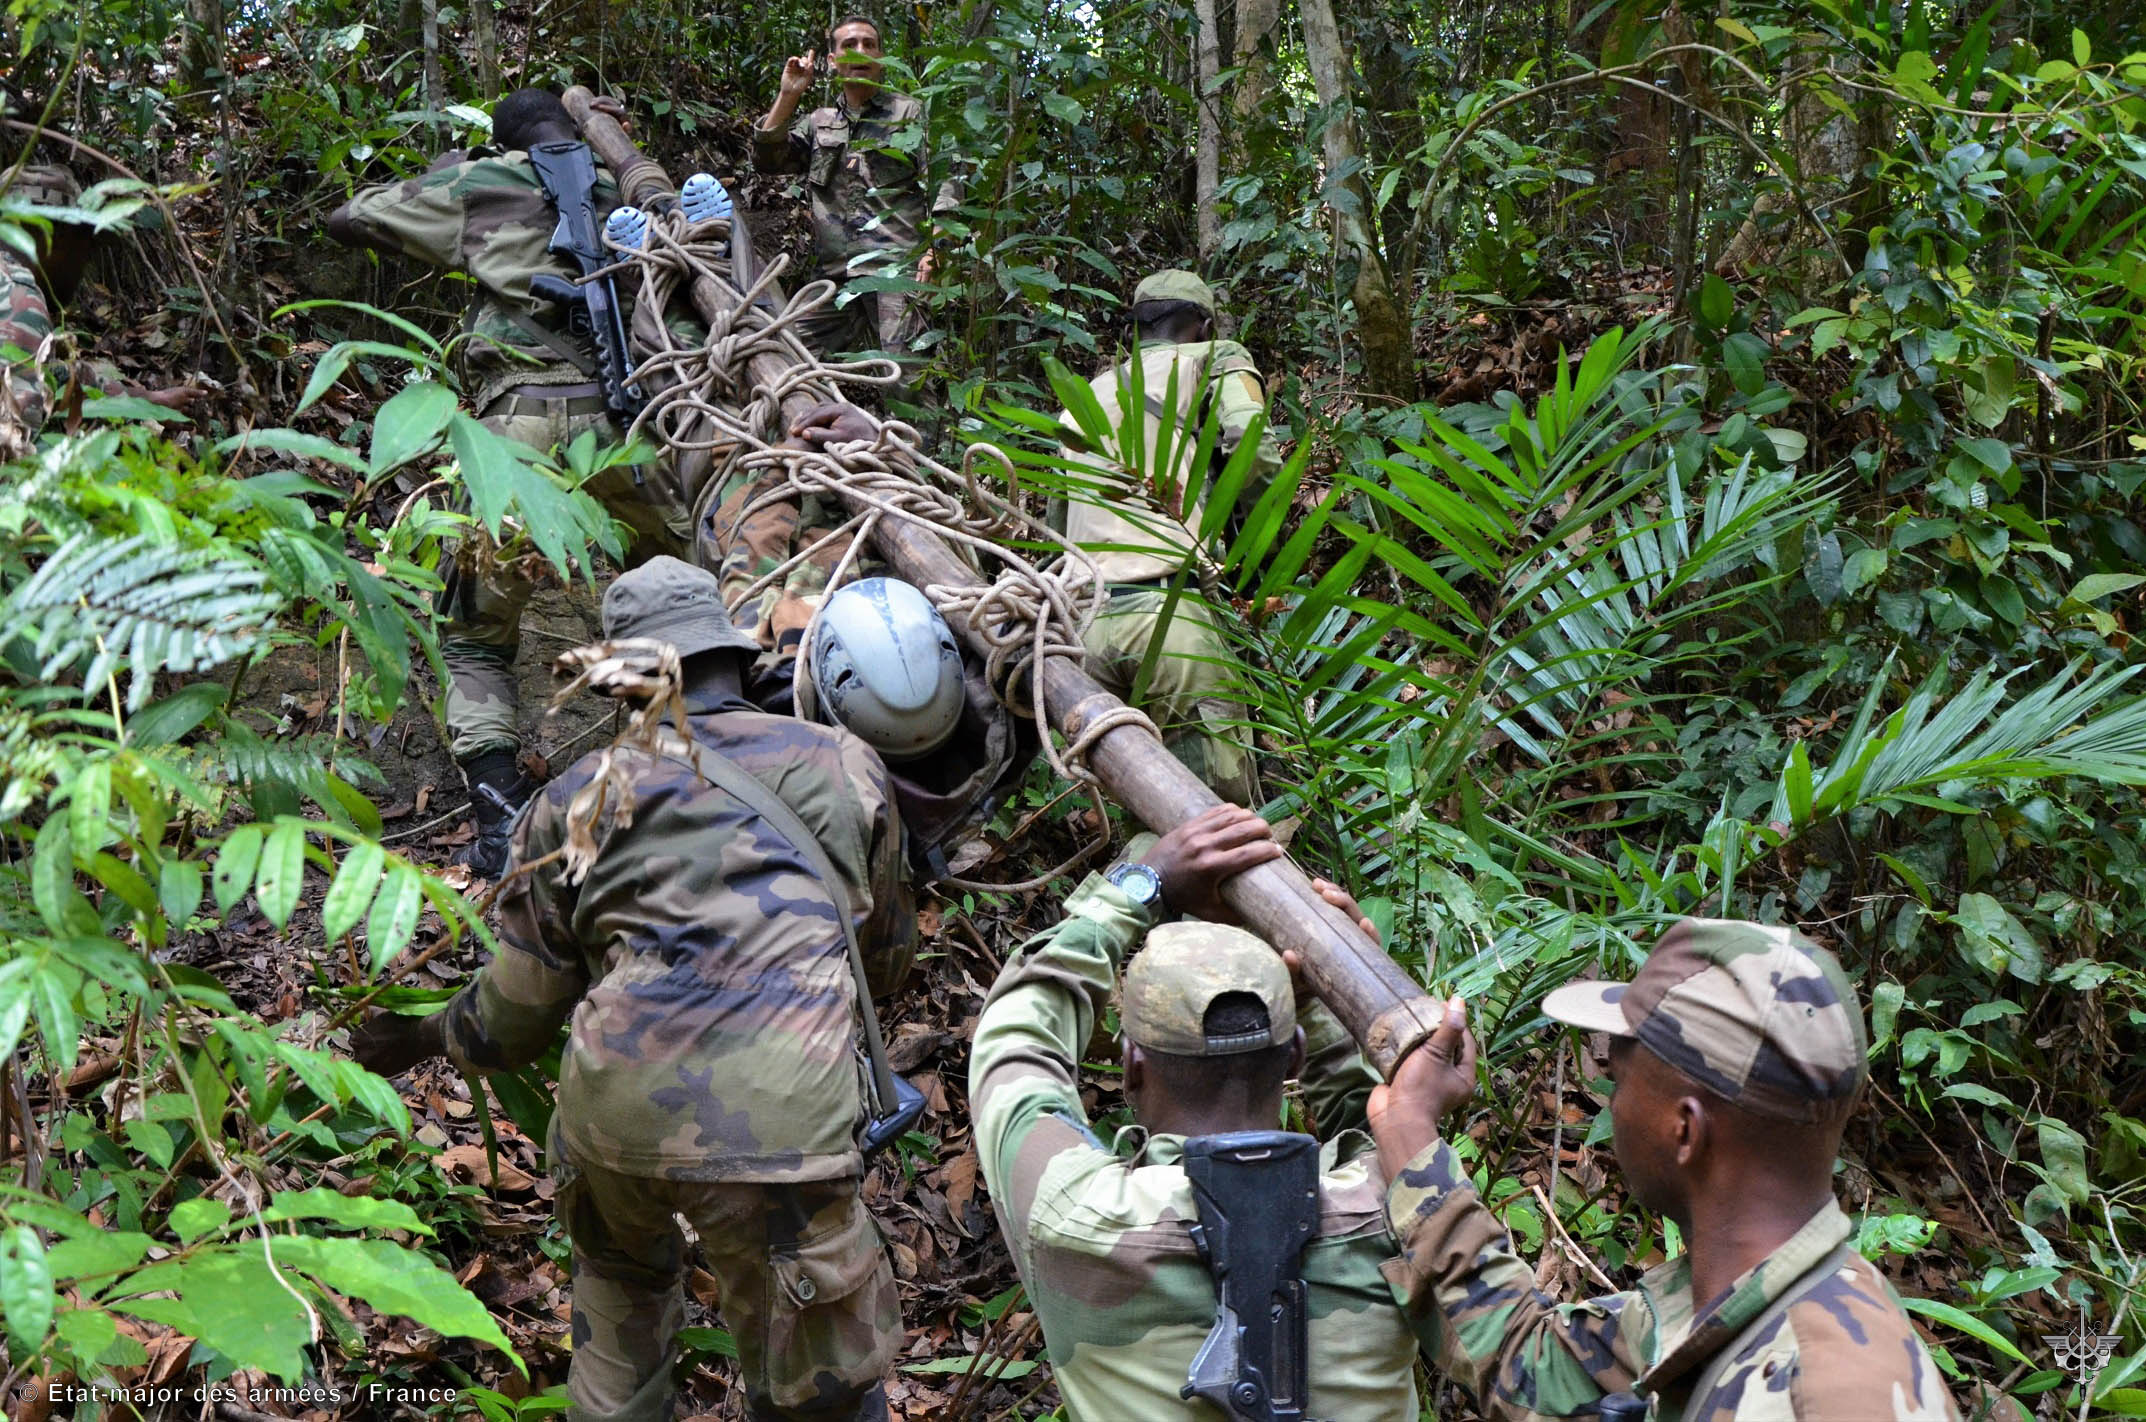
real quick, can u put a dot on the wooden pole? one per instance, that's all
(1385, 1009)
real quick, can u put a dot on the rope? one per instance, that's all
(703, 398)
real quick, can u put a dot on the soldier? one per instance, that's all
(1139, 529)
(1103, 1236)
(711, 1069)
(865, 158)
(529, 377)
(1738, 1052)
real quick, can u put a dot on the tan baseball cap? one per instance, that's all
(1163, 1002)
(672, 601)
(1173, 284)
(1757, 1013)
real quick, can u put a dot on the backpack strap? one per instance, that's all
(1811, 1278)
(727, 775)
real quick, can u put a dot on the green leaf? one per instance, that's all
(2123, 1402)
(287, 441)
(227, 1297)
(1995, 940)
(349, 1211)
(87, 1332)
(2064, 1159)
(163, 722)
(178, 890)
(152, 1140)
(1966, 1323)
(98, 1254)
(1062, 107)
(235, 858)
(282, 872)
(1717, 302)
(191, 1219)
(355, 880)
(490, 469)
(2082, 52)
(398, 1281)
(2096, 586)
(27, 1299)
(409, 425)
(1743, 355)
(394, 915)
(52, 873)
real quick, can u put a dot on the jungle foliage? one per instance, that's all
(1753, 530)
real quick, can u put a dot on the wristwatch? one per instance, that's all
(1140, 884)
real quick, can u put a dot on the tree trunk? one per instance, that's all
(435, 81)
(201, 54)
(484, 31)
(1208, 146)
(1252, 53)
(1381, 317)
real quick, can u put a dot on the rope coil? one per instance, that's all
(702, 398)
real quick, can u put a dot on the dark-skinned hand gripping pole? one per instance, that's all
(1382, 1006)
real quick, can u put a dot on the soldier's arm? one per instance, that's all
(1240, 399)
(1477, 1314)
(421, 217)
(779, 145)
(510, 1015)
(887, 934)
(1024, 1084)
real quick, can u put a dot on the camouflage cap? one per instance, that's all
(46, 184)
(1758, 1014)
(675, 602)
(1171, 284)
(1184, 967)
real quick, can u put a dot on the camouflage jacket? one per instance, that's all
(1137, 523)
(865, 174)
(1102, 1239)
(487, 217)
(714, 1018)
(1844, 1350)
(25, 322)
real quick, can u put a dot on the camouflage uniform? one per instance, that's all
(26, 318)
(25, 326)
(1101, 1236)
(1766, 1020)
(529, 379)
(865, 173)
(711, 1068)
(1140, 533)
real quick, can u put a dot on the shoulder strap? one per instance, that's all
(727, 775)
(550, 340)
(1794, 1294)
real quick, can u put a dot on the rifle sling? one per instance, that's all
(550, 340)
(726, 774)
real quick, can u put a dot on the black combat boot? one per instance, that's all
(497, 792)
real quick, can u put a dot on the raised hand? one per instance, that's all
(390, 1044)
(1216, 844)
(797, 74)
(1430, 1082)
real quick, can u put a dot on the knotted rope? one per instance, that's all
(703, 398)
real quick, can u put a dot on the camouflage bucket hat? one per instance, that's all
(1758, 1014)
(1171, 284)
(1182, 970)
(675, 602)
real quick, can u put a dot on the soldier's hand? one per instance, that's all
(390, 1044)
(832, 423)
(611, 108)
(1431, 1081)
(1345, 901)
(1216, 844)
(797, 73)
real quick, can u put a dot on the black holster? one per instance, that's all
(1258, 1198)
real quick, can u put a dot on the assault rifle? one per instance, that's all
(568, 173)
(1258, 1197)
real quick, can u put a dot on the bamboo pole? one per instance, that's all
(1385, 1009)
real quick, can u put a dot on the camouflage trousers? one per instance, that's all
(807, 1294)
(1191, 692)
(872, 321)
(485, 595)
(744, 547)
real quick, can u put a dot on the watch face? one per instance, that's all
(1138, 881)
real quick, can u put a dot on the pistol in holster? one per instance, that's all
(1258, 1199)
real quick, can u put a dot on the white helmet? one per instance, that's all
(885, 667)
